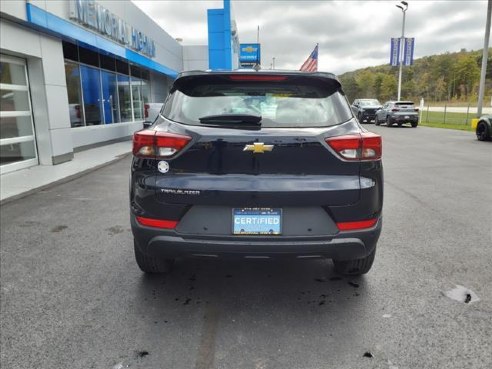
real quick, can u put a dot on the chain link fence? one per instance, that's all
(448, 115)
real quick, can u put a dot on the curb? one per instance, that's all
(63, 180)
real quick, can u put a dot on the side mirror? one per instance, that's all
(147, 124)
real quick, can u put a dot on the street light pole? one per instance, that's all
(402, 45)
(481, 89)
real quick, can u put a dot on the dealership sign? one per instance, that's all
(94, 16)
(249, 54)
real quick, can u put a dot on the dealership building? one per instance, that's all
(81, 73)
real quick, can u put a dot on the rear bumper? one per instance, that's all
(403, 119)
(171, 244)
(368, 117)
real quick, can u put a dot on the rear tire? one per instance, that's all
(149, 264)
(482, 132)
(414, 125)
(356, 266)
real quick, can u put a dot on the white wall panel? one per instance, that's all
(89, 135)
(14, 8)
(61, 141)
(58, 113)
(19, 40)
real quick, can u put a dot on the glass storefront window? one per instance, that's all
(12, 74)
(72, 75)
(125, 98)
(16, 152)
(11, 127)
(110, 98)
(114, 92)
(138, 106)
(12, 100)
(91, 88)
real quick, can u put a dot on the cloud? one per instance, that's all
(351, 34)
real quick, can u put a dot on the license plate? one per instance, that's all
(256, 221)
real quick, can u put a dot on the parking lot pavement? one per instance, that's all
(73, 297)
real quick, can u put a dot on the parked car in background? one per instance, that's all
(398, 112)
(484, 128)
(365, 109)
(256, 165)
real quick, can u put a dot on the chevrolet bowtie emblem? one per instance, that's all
(258, 148)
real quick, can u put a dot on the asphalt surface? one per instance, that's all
(73, 297)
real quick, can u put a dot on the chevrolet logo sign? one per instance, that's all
(258, 148)
(249, 49)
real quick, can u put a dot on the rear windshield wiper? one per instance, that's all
(232, 119)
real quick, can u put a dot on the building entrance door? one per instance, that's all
(17, 138)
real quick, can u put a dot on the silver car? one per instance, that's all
(398, 112)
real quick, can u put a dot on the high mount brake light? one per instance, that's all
(364, 147)
(154, 144)
(256, 78)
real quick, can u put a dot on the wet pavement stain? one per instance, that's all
(353, 284)
(335, 279)
(368, 354)
(141, 354)
(115, 230)
(58, 228)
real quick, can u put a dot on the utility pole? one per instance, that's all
(402, 45)
(481, 90)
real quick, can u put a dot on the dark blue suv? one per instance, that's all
(256, 165)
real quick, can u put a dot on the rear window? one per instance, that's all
(369, 102)
(299, 102)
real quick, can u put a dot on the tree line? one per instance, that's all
(438, 78)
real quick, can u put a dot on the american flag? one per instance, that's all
(311, 63)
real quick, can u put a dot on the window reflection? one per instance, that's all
(125, 98)
(72, 75)
(110, 98)
(91, 84)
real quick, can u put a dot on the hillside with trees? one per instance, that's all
(449, 77)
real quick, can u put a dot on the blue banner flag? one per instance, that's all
(395, 52)
(409, 47)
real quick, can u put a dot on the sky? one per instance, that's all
(351, 34)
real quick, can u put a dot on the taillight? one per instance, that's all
(416, 109)
(146, 110)
(153, 144)
(395, 109)
(357, 225)
(157, 223)
(366, 146)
